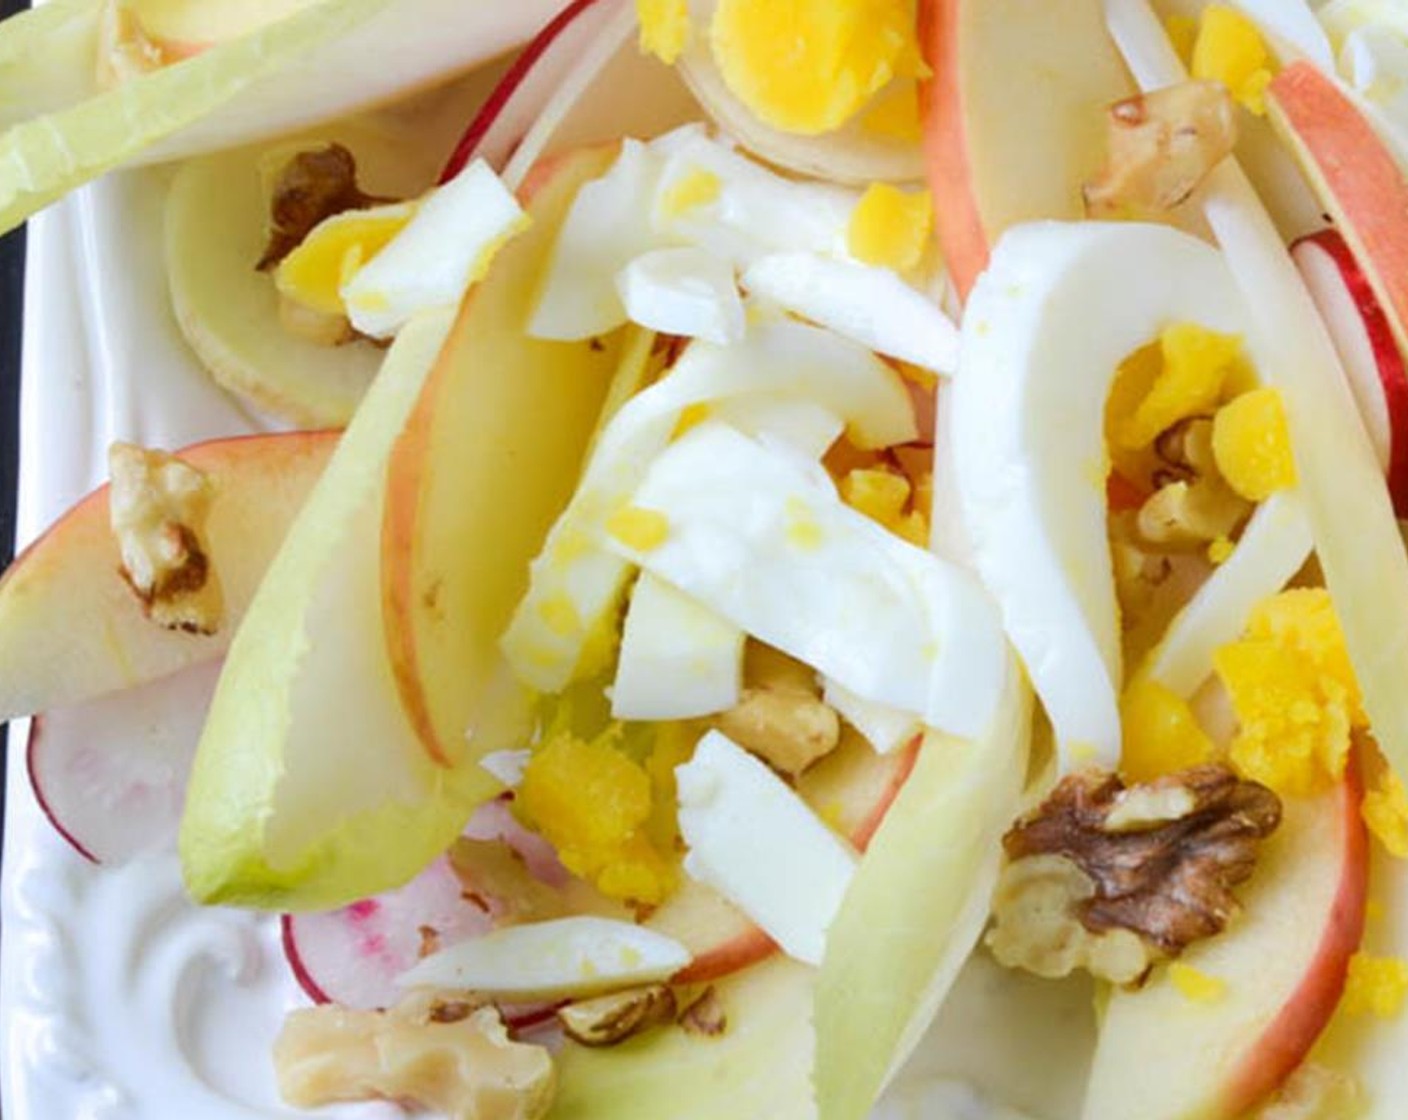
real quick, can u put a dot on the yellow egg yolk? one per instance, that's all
(696, 187)
(808, 66)
(891, 227)
(1252, 445)
(641, 529)
(1230, 49)
(884, 496)
(894, 114)
(314, 273)
(1375, 986)
(1161, 735)
(1196, 986)
(595, 805)
(1196, 365)
(1294, 693)
(1385, 805)
(664, 28)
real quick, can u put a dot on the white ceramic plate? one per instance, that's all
(119, 1000)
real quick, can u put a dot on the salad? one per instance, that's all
(781, 525)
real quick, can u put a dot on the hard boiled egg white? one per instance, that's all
(762, 539)
(678, 659)
(576, 581)
(687, 292)
(445, 248)
(757, 843)
(1059, 308)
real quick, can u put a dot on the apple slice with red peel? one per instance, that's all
(851, 788)
(70, 626)
(110, 773)
(1363, 335)
(1162, 1056)
(1002, 151)
(486, 461)
(1356, 176)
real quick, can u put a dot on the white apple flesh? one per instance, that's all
(1163, 1056)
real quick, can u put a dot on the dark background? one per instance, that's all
(11, 316)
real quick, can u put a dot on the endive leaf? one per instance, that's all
(916, 906)
(321, 62)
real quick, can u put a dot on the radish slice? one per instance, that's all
(110, 774)
(531, 83)
(1363, 335)
(352, 956)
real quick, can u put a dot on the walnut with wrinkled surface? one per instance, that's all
(314, 184)
(156, 508)
(445, 1054)
(1161, 146)
(1193, 504)
(1157, 861)
(780, 716)
(609, 1019)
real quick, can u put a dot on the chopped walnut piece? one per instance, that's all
(315, 184)
(1193, 504)
(609, 1019)
(441, 1053)
(156, 507)
(1158, 860)
(705, 1015)
(1161, 146)
(781, 716)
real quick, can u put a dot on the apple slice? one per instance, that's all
(70, 627)
(1378, 373)
(1162, 1056)
(1356, 176)
(488, 458)
(852, 788)
(1002, 151)
(110, 774)
(309, 787)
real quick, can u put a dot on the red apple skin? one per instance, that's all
(1012, 116)
(1393, 369)
(748, 944)
(960, 229)
(70, 627)
(1356, 176)
(1289, 1037)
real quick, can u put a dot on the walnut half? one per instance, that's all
(449, 1056)
(609, 1019)
(1099, 866)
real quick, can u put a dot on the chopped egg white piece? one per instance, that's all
(763, 539)
(444, 248)
(778, 360)
(870, 305)
(507, 766)
(549, 960)
(758, 844)
(607, 227)
(687, 291)
(806, 427)
(885, 729)
(711, 195)
(1060, 306)
(678, 659)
